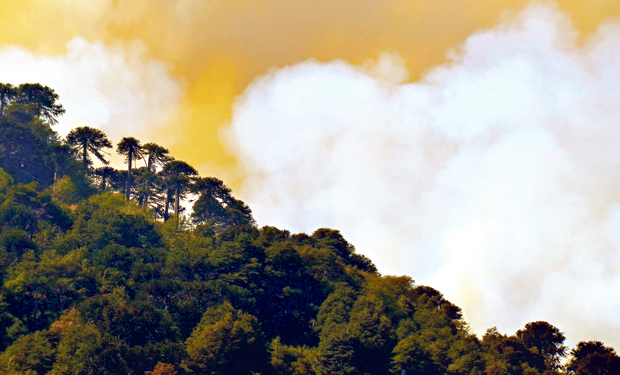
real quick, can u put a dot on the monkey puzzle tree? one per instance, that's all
(105, 174)
(156, 155)
(131, 149)
(593, 358)
(43, 101)
(86, 140)
(217, 206)
(547, 339)
(177, 175)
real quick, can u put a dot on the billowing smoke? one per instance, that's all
(495, 178)
(115, 89)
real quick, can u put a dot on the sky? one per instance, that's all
(472, 145)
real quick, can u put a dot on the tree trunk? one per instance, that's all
(85, 154)
(166, 215)
(176, 206)
(128, 187)
(148, 189)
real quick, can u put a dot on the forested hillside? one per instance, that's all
(103, 273)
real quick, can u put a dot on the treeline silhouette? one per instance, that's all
(103, 274)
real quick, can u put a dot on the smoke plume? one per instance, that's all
(494, 178)
(114, 88)
(216, 48)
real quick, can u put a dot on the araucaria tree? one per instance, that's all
(131, 149)
(177, 175)
(85, 141)
(156, 156)
(105, 174)
(42, 100)
(217, 207)
(547, 340)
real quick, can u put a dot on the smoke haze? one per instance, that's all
(216, 48)
(493, 179)
(111, 88)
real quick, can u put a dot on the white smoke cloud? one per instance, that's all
(112, 88)
(494, 178)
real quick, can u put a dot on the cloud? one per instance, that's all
(116, 89)
(493, 178)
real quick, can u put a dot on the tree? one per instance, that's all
(30, 354)
(106, 174)
(130, 147)
(547, 339)
(163, 369)
(374, 330)
(509, 355)
(336, 354)
(593, 358)
(217, 206)
(156, 155)
(43, 101)
(290, 360)
(85, 140)
(85, 350)
(8, 93)
(27, 150)
(178, 177)
(333, 240)
(226, 341)
(413, 358)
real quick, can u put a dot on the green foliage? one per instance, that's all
(40, 291)
(375, 334)
(509, 354)
(107, 218)
(136, 323)
(84, 350)
(11, 328)
(30, 354)
(412, 357)
(29, 149)
(333, 240)
(336, 354)
(217, 207)
(41, 100)
(226, 341)
(85, 141)
(5, 180)
(291, 360)
(65, 191)
(546, 339)
(593, 358)
(335, 310)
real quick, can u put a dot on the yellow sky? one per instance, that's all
(217, 47)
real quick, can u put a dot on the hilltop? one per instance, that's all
(102, 273)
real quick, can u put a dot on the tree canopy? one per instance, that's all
(87, 141)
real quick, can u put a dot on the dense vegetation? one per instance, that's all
(103, 274)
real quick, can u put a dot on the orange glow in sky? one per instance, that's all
(216, 48)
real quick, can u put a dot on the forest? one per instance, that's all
(104, 273)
